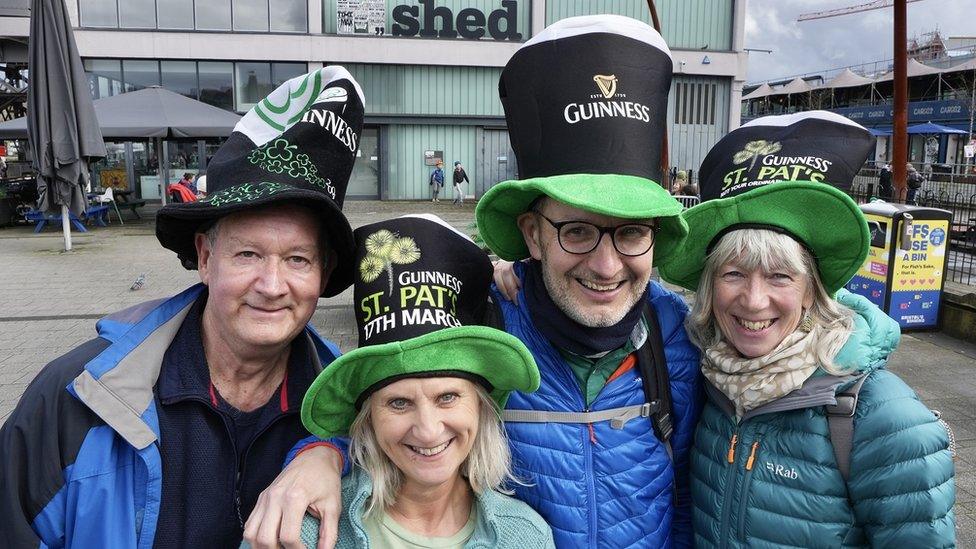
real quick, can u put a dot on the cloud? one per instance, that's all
(823, 44)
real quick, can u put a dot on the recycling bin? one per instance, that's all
(904, 272)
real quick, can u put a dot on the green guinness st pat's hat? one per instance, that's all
(421, 291)
(787, 174)
(586, 105)
(298, 144)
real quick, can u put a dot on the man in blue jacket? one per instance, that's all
(164, 429)
(603, 446)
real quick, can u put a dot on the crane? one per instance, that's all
(873, 5)
(899, 119)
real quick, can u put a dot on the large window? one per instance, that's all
(204, 15)
(253, 83)
(137, 14)
(175, 14)
(140, 73)
(99, 13)
(180, 77)
(104, 77)
(231, 86)
(213, 15)
(217, 84)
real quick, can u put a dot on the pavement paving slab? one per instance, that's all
(50, 301)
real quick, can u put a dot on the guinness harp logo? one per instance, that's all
(607, 85)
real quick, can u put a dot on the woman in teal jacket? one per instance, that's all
(781, 342)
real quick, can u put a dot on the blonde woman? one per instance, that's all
(420, 400)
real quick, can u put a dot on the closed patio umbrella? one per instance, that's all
(62, 130)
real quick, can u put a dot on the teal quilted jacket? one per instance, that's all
(771, 480)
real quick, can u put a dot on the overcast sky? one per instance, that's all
(813, 46)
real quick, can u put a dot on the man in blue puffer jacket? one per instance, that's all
(593, 218)
(591, 214)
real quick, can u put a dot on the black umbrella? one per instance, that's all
(62, 129)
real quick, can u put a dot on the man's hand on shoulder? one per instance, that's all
(312, 483)
(506, 280)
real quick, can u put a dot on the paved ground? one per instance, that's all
(49, 302)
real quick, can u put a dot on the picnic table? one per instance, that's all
(95, 213)
(123, 200)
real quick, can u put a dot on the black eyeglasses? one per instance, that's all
(582, 237)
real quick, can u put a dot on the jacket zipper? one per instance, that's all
(590, 483)
(730, 476)
(744, 493)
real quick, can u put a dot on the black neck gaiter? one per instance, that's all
(565, 333)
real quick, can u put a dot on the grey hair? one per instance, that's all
(487, 467)
(771, 251)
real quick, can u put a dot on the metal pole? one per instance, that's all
(665, 161)
(66, 227)
(899, 132)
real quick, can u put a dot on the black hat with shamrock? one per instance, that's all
(298, 145)
(422, 291)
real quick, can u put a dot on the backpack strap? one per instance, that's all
(840, 421)
(653, 369)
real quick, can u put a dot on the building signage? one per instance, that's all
(421, 20)
(361, 17)
(427, 19)
(918, 111)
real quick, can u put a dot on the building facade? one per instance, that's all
(429, 70)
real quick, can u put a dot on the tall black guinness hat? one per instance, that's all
(421, 290)
(788, 174)
(586, 105)
(299, 145)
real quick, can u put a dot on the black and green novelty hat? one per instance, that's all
(788, 174)
(586, 105)
(298, 144)
(421, 291)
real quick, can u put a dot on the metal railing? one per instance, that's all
(956, 194)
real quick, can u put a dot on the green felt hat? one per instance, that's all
(787, 174)
(476, 353)
(422, 293)
(623, 196)
(585, 103)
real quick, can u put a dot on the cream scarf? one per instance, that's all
(751, 382)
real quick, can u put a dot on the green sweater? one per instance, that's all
(503, 522)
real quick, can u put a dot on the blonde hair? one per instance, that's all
(771, 251)
(487, 467)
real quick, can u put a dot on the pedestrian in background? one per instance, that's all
(460, 178)
(914, 183)
(884, 182)
(436, 181)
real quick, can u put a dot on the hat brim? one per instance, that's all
(819, 216)
(329, 407)
(623, 196)
(178, 223)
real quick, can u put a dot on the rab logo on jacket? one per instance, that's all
(779, 470)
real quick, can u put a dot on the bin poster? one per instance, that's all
(361, 17)
(871, 279)
(916, 283)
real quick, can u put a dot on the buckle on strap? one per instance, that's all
(846, 404)
(644, 410)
